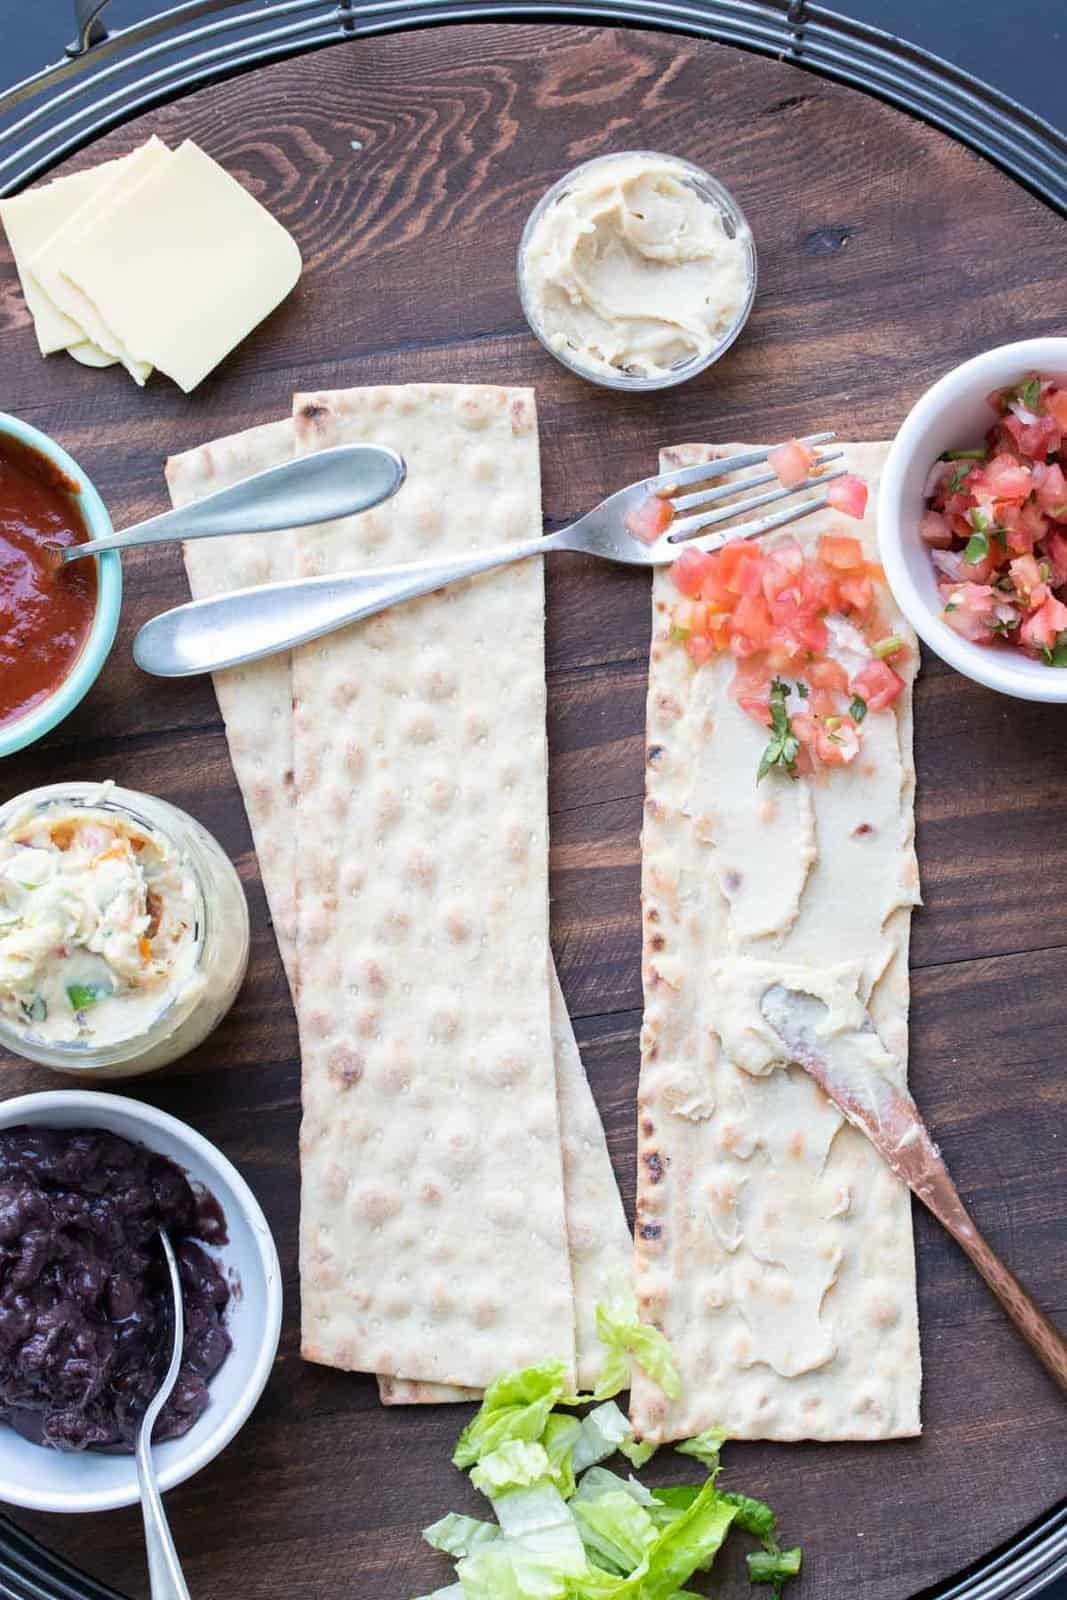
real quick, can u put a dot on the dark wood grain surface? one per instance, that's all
(887, 254)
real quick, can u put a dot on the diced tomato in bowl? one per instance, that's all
(995, 524)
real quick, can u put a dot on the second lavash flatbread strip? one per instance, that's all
(256, 699)
(712, 1269)
(433, 1242)
(256, 704)
(601, 1248)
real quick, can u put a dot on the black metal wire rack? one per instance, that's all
(107, 78)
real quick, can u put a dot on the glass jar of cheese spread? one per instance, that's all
(123, 930)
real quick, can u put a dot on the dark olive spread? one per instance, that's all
(85, 1294)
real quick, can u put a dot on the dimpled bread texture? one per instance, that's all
(433, 1243)
(773, 1247)
(601, 1250)
(255, 700)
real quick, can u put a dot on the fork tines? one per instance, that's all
(695, 525)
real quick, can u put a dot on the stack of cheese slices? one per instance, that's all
(157, 259)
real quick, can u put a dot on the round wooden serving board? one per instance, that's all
(405, 166)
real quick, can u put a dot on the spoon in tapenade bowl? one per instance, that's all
(166, 1580)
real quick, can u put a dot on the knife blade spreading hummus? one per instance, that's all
(632, 270)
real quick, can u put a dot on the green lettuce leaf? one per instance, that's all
(559, 1441)
(458, 1536)
(599, 1481)
(515, 1407)
(686, 1545)
(516, 1465)
(539, 1553)
(753, 1516)
(602, 1433)
(616, 1532)
(705, 1447)
(638, 1455)
(626, 1340)
(774, 1566)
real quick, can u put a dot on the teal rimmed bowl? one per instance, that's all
(94, 652)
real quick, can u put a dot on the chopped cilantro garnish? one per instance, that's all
(962, 455)
(857, 708)
(1057, 656)
(977, 549)
(802, 689)
(36, 1010)
(784, 746)
(1030, 392)
(959, 477)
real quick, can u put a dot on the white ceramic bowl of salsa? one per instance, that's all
(955, 415)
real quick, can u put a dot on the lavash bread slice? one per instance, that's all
(601, 1248)
(433, 1241)
(773, 1247)
(256, 699)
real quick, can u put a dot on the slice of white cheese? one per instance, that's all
(91, 355)
(30, 220)
(51, 266)
(185, 267)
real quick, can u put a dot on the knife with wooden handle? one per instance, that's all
(891, 1121)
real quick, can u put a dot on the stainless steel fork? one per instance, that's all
(207, 635)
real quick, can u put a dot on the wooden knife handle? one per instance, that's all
(1043, 1337)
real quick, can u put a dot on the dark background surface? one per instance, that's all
(1016, 45)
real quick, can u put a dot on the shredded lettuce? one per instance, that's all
(705, 1447)
(638, 1455)
(773, 1566)
(516, 1465)
(599, 1481)
(626, 1340)
(616, 1531)
(458, 1536)
(539, 1552)
(562, 1434)
(603, 1432)
(566, 1527)
(754, 1516)
(515, 1407)
(688, 1544)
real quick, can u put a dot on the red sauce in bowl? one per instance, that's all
(45, 616)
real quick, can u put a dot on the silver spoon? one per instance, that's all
(166, 1581)
(314, 488)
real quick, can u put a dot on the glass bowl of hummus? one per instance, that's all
(124, 931)
(637, 270)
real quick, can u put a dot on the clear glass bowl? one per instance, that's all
(221, 937)
(735, 225)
